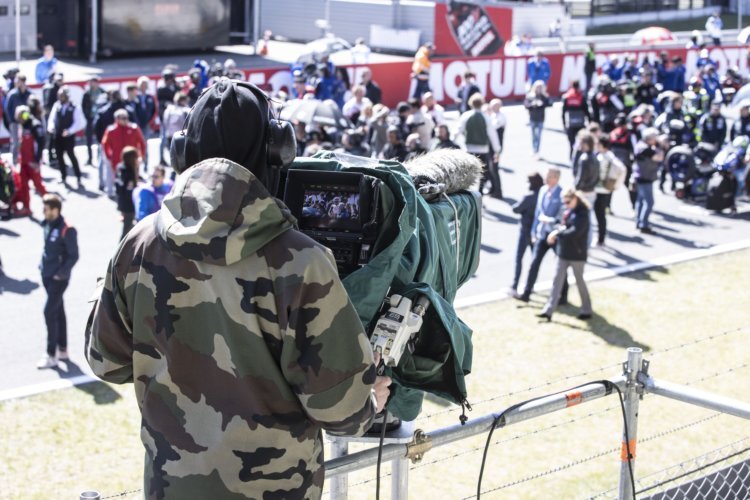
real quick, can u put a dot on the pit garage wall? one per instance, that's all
(295, 19)
(8, 26)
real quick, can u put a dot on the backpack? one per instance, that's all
(615, 174)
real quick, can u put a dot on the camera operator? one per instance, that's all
(234, 327)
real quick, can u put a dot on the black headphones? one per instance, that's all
(281, 141)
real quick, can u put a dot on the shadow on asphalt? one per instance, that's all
(499, 217)
(8, 232)
(101, 392)
(21, 287)
(489, 249)
(674, 219)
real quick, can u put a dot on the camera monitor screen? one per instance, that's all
(329, 201)
(331, 207)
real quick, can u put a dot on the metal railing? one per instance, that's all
(704, 476)
(632, 385)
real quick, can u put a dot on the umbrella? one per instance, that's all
(744, 36)
(326, 113)
(652, 36)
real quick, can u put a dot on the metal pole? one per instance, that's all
(400, 479)
(328, 17)
(256, 22)
(446, 435)
(340, 484)
(18, 33)
(94, 30)
(696, 397)
(739, 14)
(631, 395)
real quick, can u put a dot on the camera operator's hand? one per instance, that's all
(380, 389)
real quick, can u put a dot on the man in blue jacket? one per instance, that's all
(546, 216)
(538, 68)
(59, 257)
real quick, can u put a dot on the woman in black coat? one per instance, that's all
(571, 239)
(525, 208)
(127, 180)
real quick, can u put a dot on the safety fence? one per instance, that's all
(721, 472)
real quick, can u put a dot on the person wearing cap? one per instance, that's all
(46, 65)
(233, 326)
(64, 122)
(648, 158)
(712, 84)
(538, 68)
(50, 91)
(92, 100)
(575, 112)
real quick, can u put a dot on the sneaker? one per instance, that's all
(62, 354)
(47, 362)
(647, 230)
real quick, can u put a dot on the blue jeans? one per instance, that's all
(536, 135)
(644, 203)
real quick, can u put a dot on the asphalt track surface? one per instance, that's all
(680, 227)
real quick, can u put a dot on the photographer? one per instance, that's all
(234, 327)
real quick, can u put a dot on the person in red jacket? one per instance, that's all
(119, 135)
(575, 112)
(31, 138)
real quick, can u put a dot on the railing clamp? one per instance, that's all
(419, 445)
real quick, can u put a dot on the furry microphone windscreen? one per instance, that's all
(456, 169)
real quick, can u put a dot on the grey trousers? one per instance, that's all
(561, 276)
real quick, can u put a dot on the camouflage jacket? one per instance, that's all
(239, 338)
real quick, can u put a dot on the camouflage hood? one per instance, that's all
(219, 213)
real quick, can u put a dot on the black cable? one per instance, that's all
(627, 436)
(499, 420)
(380, 454)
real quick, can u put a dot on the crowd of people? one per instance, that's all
(629, 123)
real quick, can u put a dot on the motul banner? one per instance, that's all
(503, 77)
(468, 29)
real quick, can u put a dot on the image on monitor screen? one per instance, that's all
(330, 208)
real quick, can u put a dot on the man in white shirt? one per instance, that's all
(714, 26)
(360, 52)
(433, 109)
(64, 122)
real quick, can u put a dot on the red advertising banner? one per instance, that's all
(505, 77)
(468, 29)
(502, 77)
